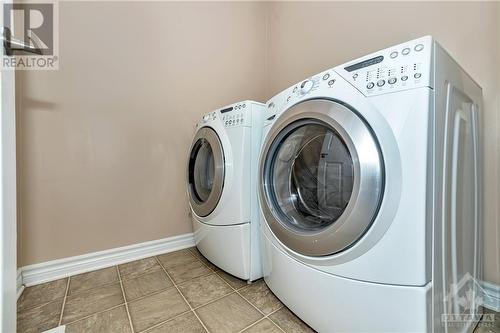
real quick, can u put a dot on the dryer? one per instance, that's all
(222, 187)
(369, 191)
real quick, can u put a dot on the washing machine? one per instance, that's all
(222, 187)
(369, 190)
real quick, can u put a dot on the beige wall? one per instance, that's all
(306, 38)
(103, 141)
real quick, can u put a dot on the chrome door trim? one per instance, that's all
(200, 208)
(367, 187)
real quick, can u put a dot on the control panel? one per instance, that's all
(230, 116)
(241, 114)
(233, 116)
(400, 67)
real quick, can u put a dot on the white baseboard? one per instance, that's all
(61, 268)
(491, 297)
(19, 283)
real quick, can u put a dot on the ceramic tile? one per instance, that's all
(188, 271)
(184, 323)
(42, 293)
(92, 279)
(177, 258)
(39, 319)
(91, 301)
(233, 281)
(490, 322)
(200, 257)
(154, 309)
(229, 314)
(146, 284)
(112, 321)
(135, 268)
(263, 326)
(289, 322)
(259, 295)
(495, 316)
(204, 289)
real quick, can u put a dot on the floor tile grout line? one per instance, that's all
(272, 321)
(178, 290)
(150, 294)
(237, 292)
(199, 319)
(183, 313)
(263, 318)
(95, 313)
(93, 288)
(125, 300)
(266, 317)
(274, 311)
(278, 326)
(252, 324)
(146, 272)
(214, 300)
(64, 301)
(39, 305)
(165, 321)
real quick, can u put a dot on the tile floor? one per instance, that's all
(174, 292)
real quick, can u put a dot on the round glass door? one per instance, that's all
(322, 178)
(205, 172)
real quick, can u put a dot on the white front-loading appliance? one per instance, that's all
(222, 187)
(369, 191)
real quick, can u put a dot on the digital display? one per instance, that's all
(226, 110)
(364, 64)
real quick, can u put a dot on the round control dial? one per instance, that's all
(306, 86)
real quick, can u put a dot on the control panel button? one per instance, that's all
(295, 89)
(206, 117)
(406, 51)
(417, 75)
(419, 47)
(380, 83)
(288, 99)
(326, 76)
(370, 85)
(244, 105)
(404, 78)
(392, 80)
(355, 76)
(331, 82)
(394, 54)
